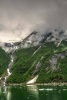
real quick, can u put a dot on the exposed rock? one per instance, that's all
(54, 59)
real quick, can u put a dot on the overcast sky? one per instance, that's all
(18, 18)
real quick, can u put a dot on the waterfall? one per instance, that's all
(8, 72)
(9, 66)
(10, 48)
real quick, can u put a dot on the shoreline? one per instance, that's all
(45, 84)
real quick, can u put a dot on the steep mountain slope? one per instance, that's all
(47, 61)
(4, 61)
(36, 38)
(39, 58)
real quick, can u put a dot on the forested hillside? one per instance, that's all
(4, 61)
(47, 61)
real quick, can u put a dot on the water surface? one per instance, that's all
(33, 92)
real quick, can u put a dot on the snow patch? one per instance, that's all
(33, 80)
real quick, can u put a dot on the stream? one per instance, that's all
(8, 72)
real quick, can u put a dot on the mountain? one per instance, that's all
(9, 47)
(36, 38)
(39, 58)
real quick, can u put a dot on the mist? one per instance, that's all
(18, 18)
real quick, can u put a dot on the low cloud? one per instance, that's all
(21, 17)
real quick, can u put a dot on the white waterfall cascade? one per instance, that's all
(9, 66)
(8, 73)
(11, 51)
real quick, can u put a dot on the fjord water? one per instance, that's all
(33, 92)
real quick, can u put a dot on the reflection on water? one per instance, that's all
(33, 92)
(5, 93)
(33, 89)
(8, 95)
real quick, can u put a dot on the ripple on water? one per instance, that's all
(50, 89)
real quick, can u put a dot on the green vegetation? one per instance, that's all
(28, 64)
(25, 62)
(4, 61)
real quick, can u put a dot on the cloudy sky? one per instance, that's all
(18, 18)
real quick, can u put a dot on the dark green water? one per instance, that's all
(33, 92)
